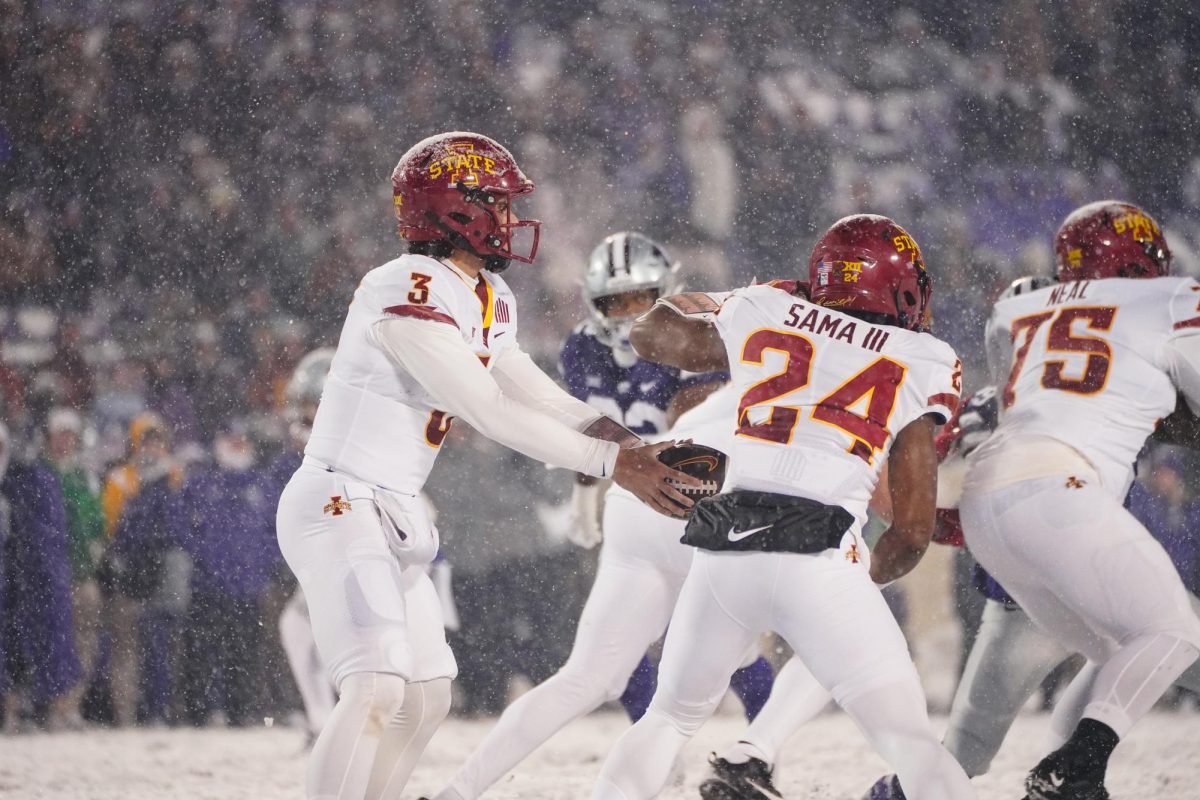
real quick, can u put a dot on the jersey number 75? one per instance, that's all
(1060, 338)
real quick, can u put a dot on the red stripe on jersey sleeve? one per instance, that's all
(1194, 322)
(421, 312)
(946, 399)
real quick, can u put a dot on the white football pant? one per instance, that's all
(836, 621)
(642, 568)
(1090, 575)
(377, 627)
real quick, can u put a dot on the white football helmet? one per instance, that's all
(303, 392)
(1027, 284)
(625, 262)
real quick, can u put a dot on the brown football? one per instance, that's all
(699, 461)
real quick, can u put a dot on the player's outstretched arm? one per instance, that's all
(912, 483)
(524, 381)
(665, 336)
(437, 357)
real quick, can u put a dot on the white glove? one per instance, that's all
(587, 502)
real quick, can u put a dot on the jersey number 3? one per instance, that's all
(420, 291)
(1061, 339)
(878, 383)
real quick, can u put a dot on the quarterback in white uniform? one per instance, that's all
(428, 337)
(825, 396)
(1097, 361)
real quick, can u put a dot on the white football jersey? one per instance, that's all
(1092, 364)
(822, 394)
(709, 422)
(375, 422)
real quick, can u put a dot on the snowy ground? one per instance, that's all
(827, 760)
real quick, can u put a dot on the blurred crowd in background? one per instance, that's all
(190, 191)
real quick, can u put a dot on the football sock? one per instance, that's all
(1092, 743)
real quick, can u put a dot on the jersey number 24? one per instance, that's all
(879, 382)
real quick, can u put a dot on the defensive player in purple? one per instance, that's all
(642, 565)
(626, 274)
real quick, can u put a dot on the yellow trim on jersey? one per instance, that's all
(490, 310)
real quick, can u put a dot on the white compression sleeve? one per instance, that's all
(440, 360)
(522, 379)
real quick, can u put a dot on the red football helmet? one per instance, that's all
(447, 187)
(1110, 239)
(868, 263)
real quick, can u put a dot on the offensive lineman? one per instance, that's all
(1010, 658)
(1098, 359)
(642, 563)
(429, 336)
(828, 389)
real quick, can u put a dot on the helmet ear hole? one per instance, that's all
(910, 298)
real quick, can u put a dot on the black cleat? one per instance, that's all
(750, 780)
(1054, 778)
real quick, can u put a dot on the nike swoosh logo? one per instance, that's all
(737, 536)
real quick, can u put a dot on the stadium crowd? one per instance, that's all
(190, 191)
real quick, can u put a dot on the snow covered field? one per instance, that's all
(827, 760)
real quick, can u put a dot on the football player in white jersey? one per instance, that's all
(428, 337)
(828, 390)
(1097, 361)
(642, 563)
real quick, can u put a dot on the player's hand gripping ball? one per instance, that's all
(706, 463)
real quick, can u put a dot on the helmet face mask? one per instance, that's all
(1026, 284)
(460, 187)
(623, 264)
(303, 392)
(868, 264)
(1110, 239)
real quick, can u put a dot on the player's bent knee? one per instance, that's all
(588, 685)
(379, 694)
(686, 718)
